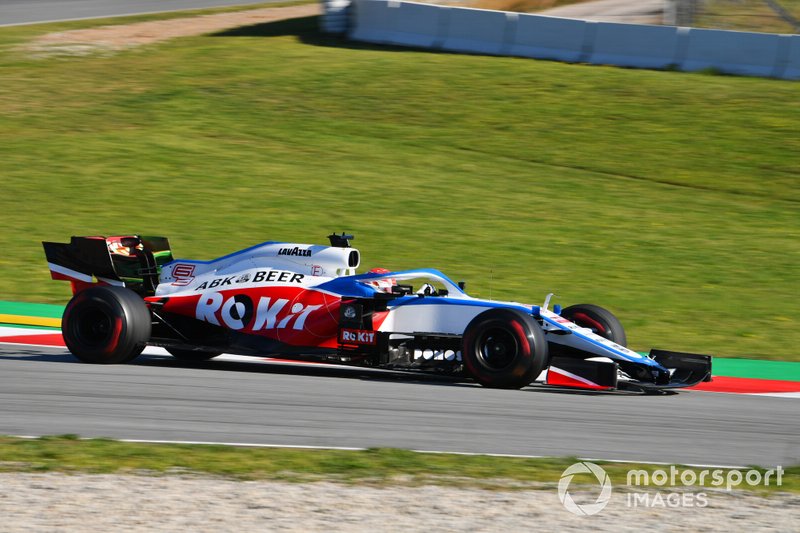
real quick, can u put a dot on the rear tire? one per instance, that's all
(600, 320)
(504, 349)
(106, 325)
(192, 355)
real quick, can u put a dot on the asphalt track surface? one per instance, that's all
(16, 12)
(627, 11)
(44, 392)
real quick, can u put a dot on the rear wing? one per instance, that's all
(128, 261)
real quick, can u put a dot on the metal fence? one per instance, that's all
(685, 12)
(772, 16)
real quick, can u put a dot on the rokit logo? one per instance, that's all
(236, 312)
(357, 336)
(300, 252)
(269, 276)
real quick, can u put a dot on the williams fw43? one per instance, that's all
(306, 302)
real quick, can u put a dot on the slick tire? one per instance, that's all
(599, 320)
(106, 325)
(504, 349)
(192, 355)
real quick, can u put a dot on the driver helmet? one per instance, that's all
(383, 284)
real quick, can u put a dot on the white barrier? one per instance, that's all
(398, 23)
(550, 38)
(420, 25)
(791, 68)
(732, 52)
(541, 37)
(633, 45)
(374, 21)
(479, 31)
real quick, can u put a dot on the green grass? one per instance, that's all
(670, 198)
(382, 466)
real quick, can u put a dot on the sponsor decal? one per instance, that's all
(296, 251)
(183, 274)
(429, 354)
(357, 336)
(317, 270)
(268, 276)
(239, 312)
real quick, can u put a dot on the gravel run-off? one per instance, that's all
(82, 502)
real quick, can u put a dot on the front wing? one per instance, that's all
(600, 373)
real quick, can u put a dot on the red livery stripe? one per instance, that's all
(556, 376)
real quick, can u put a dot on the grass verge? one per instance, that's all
(380, 466)
(670, 198)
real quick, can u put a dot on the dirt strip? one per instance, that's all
(122, 36)
(58, 502)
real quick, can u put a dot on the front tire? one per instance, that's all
(601, 321)
(106, 325)
(504, 349)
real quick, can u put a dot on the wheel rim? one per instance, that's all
(497, 348)
(93, 327)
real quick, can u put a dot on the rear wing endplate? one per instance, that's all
(130, 261)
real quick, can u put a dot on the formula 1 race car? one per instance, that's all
(306, 302)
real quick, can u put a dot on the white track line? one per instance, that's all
(776, 394)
